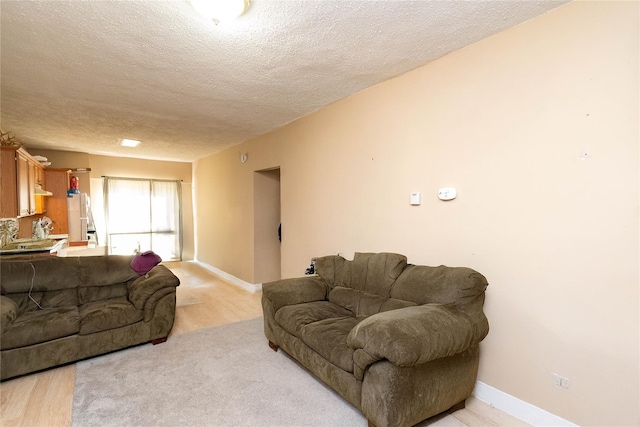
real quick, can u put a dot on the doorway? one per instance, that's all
(267, 226)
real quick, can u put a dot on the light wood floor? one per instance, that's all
(203, 300)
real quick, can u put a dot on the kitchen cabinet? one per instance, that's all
(58, 183)
(20, 174)
(24, 195)
(8, 183)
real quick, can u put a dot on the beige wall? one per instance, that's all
(63, 159)
(130, 168)
(505, 121)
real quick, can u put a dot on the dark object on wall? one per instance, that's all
(312, 267)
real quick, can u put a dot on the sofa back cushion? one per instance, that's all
(328, 267)
(439, 285)
(87, 294)
(372, 273)
(373, 283)
(47, 299)
(105, 277)
(363, 285)
(50, 280)
(106, 270)
(60, 282)
(39, 274)
(364, 304)
(368, 272)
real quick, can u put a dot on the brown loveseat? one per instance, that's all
(400, 342)
(59, 310)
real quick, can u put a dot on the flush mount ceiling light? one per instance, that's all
(129, 143)
(220, 10)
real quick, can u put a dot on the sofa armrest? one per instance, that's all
(415, 335)
(8, 312)
(297, 290)
(143, 287)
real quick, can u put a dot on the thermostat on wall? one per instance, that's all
(447, 193)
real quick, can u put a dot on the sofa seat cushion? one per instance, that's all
(112, 313)
(38, 326)
(324, 327)
(294, 318)
(328, 338)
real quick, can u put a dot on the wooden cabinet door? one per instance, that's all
(8, 177)
(32, 188)
(18, 178)
(23, 186)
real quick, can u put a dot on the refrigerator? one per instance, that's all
(80, 218)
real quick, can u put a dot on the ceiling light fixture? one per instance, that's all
(220, 10)
(129, 143)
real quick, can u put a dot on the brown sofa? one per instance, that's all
(59, 310)
(400, 342)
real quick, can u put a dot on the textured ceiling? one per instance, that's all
(80, 75)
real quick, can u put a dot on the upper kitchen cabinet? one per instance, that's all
(26, 198)
(8, 183)
(22, 182)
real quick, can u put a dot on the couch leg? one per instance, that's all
(273, 346)
(457, 407)
(158, 340)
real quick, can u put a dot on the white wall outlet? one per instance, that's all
(561, 381)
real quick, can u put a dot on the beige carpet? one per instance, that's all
(221, 376)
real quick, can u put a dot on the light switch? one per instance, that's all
(415, 199)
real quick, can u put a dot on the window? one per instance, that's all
(142, 215)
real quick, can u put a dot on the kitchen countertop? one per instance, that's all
(30, 246)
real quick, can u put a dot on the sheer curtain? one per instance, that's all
(142, 215)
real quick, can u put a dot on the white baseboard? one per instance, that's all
(251, 287)
(518, 408)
